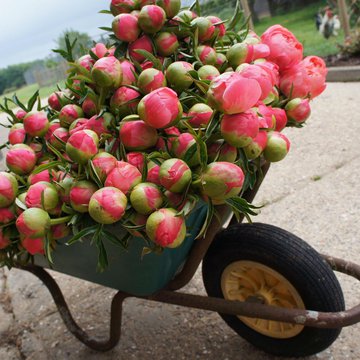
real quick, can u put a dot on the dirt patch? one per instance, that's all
(342, 60)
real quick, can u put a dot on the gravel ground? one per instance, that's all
(313, 193)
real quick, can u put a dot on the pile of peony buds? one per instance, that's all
(170, 112)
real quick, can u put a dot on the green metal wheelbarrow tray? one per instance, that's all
(158, 277)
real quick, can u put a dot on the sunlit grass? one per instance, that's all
(26, 92)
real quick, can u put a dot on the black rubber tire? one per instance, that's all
(293, 258)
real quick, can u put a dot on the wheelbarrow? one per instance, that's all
(269, 286)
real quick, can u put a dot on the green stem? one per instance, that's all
(61, 220)
(102, 97)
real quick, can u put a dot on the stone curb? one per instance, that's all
(343, 74)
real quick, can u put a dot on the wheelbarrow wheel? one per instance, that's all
(260, 262)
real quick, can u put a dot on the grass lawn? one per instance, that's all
(302, 23)
(26, 92)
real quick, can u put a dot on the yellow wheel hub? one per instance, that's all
(253, 281)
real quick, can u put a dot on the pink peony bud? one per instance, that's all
(153, 173)
(171, 7)
(166, 228)
(103, 164)
(122, 6)
(7, 214)
(261, 74)
(256, 146)
(285, 50)
(136, 135)
(60, 231)
(206, 54)
(86, 61)
(124, 177)
(64, 184)
(78, 124)
(21, 159)
(145, 198)
(59, 137)
(232, 93)
(90, 104)
(100, 124)
(80, 195)
(220, 29)
(41, 176)
(82, 146)
(166, 43)
(36, 123)
(280, 118)
(239, 129)
(208, 72)
(200, 115)
(182, 144)
(172, 132)
(106, 72)
(298, 110)
(107, 205)
(137, 159)
(307, 78)
(8, 189)
(42, 195)
(20, 114)
(100, 50)
(221, 151)
(205, 28)
(278, 145)
(69, 113)
(161, 108)
(178, 77)
(55, 124)
(17, 134)
(151, 18)
(54, 100)
(128, 71)
(5, 240)
(241, 53)
(150, 80)
(174, 175)
(142, 43)
(125, 27)
(33, 222)
(221, 180)
(124, 101)
(33, 245)
(221, 60)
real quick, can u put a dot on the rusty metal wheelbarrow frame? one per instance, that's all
(170, 295)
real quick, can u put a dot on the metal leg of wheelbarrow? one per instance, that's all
(72, 326)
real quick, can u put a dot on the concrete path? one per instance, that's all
(313, 193)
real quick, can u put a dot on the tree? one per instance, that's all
(83, 43)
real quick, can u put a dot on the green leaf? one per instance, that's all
(20, 204)
(32, 100)
(102, 256)
(105, 12)
(190, 152)
(48, 249)
(238, 14)
(85, 232)
(147, 55)
(124, 241)
(105, 28)
(48, 166)
(207, 222)
(17, 102)
(94, 175)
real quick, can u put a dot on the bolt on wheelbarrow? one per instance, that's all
(268, 285)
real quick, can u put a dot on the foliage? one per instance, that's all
(83, 41)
